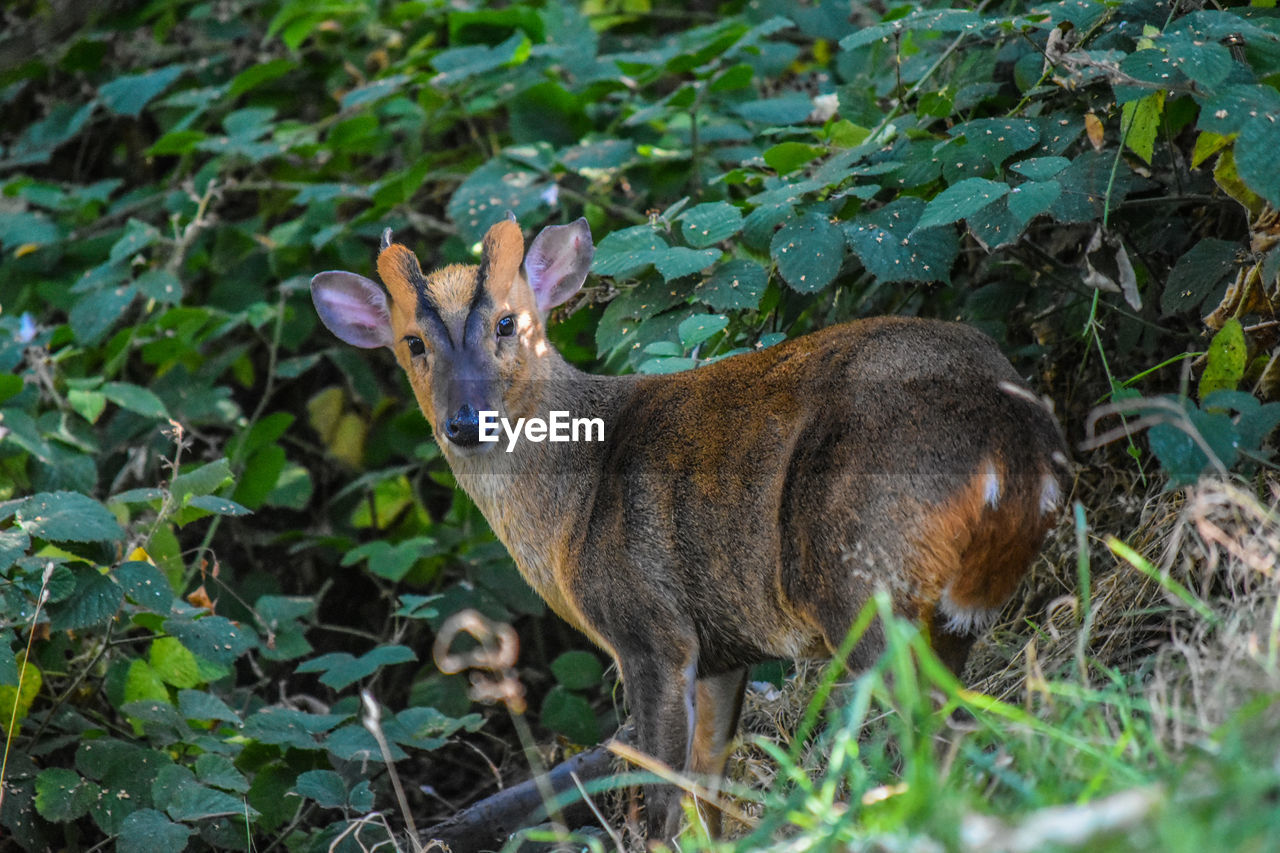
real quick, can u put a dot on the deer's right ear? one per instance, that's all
(353, 307)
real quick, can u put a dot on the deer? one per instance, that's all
(741, 511)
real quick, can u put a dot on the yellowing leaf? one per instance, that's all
(1141, 122)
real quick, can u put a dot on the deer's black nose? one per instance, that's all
(463, 427)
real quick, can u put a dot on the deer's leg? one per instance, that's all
(660, 691)
(718, 704)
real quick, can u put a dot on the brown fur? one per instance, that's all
(747, 509)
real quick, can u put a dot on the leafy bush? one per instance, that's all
(218, 523)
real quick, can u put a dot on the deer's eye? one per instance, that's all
(416, 346)
(507, 326)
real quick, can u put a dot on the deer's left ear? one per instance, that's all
(558, 261)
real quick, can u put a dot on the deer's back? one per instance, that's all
(755, 499)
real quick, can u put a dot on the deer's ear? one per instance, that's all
(353, 307)
(558, 261)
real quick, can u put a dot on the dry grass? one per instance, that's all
(1194, 664)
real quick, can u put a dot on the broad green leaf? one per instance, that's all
(200, 480)
(1255, 156)
(146, 585)
(679, 261)
(219, 772)
(1040, 168)
(1140, 122)
(149, 831)
(961, 200)
(62, 795)
(785, 157)
(289, 727)
(700, 327)
(173, 663)
(577, 670)
(1226, 360)
(200, 705)
(128, 95)
(733, 285)
(342, 669)
(354, 743)
(144, 684)
(87, 404)
(626, 252)
(95, 600)
(258, 74)
(323, 786)
(808, 252)
(1029, 200)
(137, 236)
(194, 801)
(708, 224)
(213, 638)
(94, 315)
(135, 398)
(892, 248)
(1197, 273)
(571, 715)
(785, 109)
(218, 506)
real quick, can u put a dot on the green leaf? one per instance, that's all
(174, 664)
(62, 795)
(137, 236)
(218, 506)
(961, 200)
(199, 705)
(707, 224)
(135, 398)
(1255, 153)
(323, 786)
(700, 327)
(95, 600)
(570, 714)
(786, 109)
(1029, 200)
(679, 261)
(1197, 273)
(808, 251)
(893, 248)
(87, 404)
(146, 585)
(256, 75)
(1140, 121)
(219, 772)
(144, 684)
(1226, 360)
(1180, 455)
(785, 157)
(354, 743)
(626, 252)
(128, 95)
(94, 315)
(196, 802)
(392, 561)
(213, 638)
(734, 285)
(342, 669)
(201, 480)
(149, 831)
(577, 670)
(1040, 168)
(288, 727)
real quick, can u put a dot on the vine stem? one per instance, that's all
(26, 657)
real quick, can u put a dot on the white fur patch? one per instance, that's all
(1050, 494)
(966, 620)
(991, 486)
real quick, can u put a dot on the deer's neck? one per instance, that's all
(536, 496)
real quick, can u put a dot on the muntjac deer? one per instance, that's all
(738, 512)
